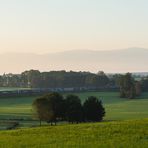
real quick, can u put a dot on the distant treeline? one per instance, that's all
(55, 79)
(63, 79)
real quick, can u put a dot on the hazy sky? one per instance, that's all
(42, 26)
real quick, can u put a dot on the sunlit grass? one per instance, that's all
(125, 134)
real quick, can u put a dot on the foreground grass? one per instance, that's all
(125, 134)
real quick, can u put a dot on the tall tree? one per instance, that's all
(138, 88)
(127, 86)
(50, 107)
(43, 110)
(56, 103)
(74, 111)
(93, 109)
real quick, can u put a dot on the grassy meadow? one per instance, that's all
(116, 108)
(128, 126)
(115, 134)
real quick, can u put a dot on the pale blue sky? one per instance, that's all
(42, 26)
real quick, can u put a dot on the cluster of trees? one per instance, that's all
(129, 88)
(54, 79)
(54, 107)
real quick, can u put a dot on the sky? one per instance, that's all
(43, 26)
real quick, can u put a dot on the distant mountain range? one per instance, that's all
(124, 60)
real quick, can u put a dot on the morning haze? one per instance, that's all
(74, 73)
(131, 59)
(41, 28)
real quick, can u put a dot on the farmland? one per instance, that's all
(116, 108)
(125, 124)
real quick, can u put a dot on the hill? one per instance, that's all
(129, 134)
(131, 59)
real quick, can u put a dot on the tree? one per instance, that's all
(127, 86)
(73, 109)
(50, 107)
(42, 109)
(56, 103)
(138, 88)
(93, 109)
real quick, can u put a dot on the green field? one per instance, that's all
(114, 134)
(116, 108)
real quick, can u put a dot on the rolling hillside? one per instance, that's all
(126, 134)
